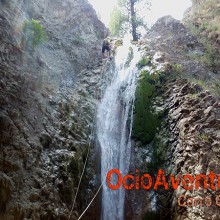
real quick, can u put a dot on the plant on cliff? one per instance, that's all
(127, 17)
(204, 82)
(211, 57)
(144, 62)
(146, 120)
(204, 24)
(34, 33)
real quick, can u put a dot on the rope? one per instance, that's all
(91, 201)
(77, 191)
(80, 180)
(102, 69)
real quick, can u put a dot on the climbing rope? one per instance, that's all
(102, 181)
(80, 180)
(77, 191)
(84, 167)
(74, 201)
(91, 201)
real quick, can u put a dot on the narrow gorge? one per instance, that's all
(69, 117)
(114, 124)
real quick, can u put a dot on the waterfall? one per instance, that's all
(114, 123)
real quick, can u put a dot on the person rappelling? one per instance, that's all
(106, 45)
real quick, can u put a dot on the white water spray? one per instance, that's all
(114, 123)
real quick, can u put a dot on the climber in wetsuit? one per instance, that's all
(106, 46)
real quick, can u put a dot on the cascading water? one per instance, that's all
(114, 130)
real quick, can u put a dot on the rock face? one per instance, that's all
(204, 16)
(172, 42)
(188, 138)
(194, 116)
(202, 19)
(48, 96)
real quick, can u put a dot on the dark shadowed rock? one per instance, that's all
(45, 140)
(6, 128)
(6, 188)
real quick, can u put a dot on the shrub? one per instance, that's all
(211, 57)
(203, 137)
(34, 33)
(144, 62)
(145, 120)
(116, 22)
(207, 32)
(177, 68)
(205, 82)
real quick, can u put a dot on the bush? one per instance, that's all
(177, 68)
(116, 22)
(34, 33)
(206, 28)
(210, 58)
(145, 120)
(205, 82)
(144, 62)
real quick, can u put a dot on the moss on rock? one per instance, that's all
(145, 119)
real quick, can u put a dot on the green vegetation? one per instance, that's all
(204, 24)
(177, 68)
(116, 21)
(144, 62)
(211, 57)
(118, 42)
(159, 156)
(146, 120)
(126, 17)
(206, 82)
(34, 33)
(211, 84)
(203, 137)
(192, 96)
